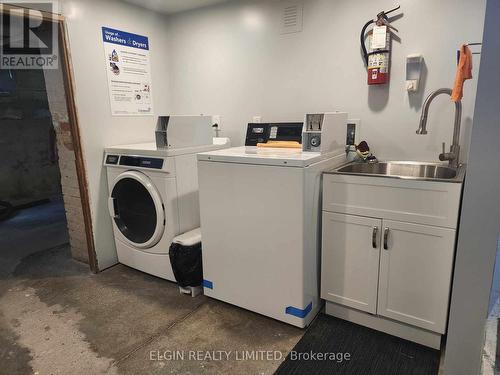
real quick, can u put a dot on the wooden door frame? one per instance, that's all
(69, 93)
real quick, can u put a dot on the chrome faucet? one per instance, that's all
(454, 154)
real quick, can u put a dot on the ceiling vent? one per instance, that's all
(291, 17)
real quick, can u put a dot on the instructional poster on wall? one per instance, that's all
(129, 73)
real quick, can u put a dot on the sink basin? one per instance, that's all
(405, 169)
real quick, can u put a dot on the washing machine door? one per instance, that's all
(137, 210)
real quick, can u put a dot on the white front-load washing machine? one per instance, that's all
(153, 197)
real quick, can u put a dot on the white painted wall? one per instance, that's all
(98, 128)
(230, 59)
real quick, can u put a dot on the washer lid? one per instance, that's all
(267, 156)
(137, 210)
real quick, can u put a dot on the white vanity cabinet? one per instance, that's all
(350, 260)
(415, 274)
(387, 253)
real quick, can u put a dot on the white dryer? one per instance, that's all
(153, 197)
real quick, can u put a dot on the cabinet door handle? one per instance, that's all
(374, 237)
(386, 237)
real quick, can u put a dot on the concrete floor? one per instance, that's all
(56, 317)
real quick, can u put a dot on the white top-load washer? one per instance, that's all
(260, 213)
(153, 197)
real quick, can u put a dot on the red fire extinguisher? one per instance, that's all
(377, 58)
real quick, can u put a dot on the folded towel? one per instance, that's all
(464, 71)
(280, 144)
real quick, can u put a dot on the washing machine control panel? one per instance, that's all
(278, 131)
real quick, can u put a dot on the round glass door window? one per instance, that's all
(135, 211)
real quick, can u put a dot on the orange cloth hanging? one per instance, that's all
(464, 71)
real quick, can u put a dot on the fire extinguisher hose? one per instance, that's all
(362, 41)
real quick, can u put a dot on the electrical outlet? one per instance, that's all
(356, 123)
(216, 119)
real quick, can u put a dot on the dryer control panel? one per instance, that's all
(134, 161)
(276, 131)
(112, 159)
(141, 161)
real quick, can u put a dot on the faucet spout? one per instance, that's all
(454, 154)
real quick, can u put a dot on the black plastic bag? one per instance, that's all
(186, 264)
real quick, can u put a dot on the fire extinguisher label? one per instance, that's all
(379, 55)
(378, 60)
(379, 39)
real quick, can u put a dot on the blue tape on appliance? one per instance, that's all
(208, 284)
(299, 313)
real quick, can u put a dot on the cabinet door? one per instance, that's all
(350, 260)
(415, 274)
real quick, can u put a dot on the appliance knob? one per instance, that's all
(315, 141)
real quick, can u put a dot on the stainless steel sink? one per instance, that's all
(406, 170)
